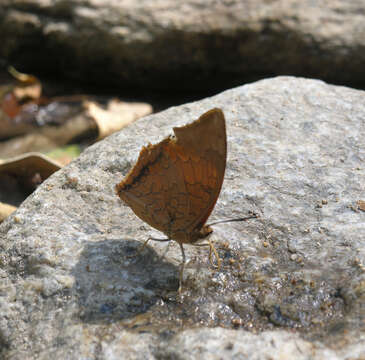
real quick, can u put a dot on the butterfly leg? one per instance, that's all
(166, 249)
(141, 247)
(182, 266)
(212, 250)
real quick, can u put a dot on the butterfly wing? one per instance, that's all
(155, 189)
(175, 183)
(205, 142)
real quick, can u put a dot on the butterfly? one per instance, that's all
(175, 184)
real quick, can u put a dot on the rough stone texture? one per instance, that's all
(191, 44)
(230, 344)
(292, 282)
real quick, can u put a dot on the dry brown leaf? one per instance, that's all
(30, 167)
(29, 86)
(21, 175)
(19, 104)
(117, 115)
(6, 210)
(32, 91)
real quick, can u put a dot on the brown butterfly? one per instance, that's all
(175, 184)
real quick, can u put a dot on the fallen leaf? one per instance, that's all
(31, 169)
(116, 116)
(6, 210)
(28, 91)
(29, 86)
(19, 104)
(21, 175)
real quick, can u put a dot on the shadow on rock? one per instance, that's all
(114, 281)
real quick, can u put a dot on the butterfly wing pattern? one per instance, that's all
(175, 184)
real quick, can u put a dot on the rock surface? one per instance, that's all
(194, 44)
(292, 283)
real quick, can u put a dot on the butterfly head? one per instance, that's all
(192, 237)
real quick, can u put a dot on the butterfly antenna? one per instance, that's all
(182, 266)
(251, 216)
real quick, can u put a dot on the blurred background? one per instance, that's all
(74, 71)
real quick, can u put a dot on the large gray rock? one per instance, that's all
(292, 282)
(191, 44)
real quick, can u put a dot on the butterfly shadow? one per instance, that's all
(114, 281)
